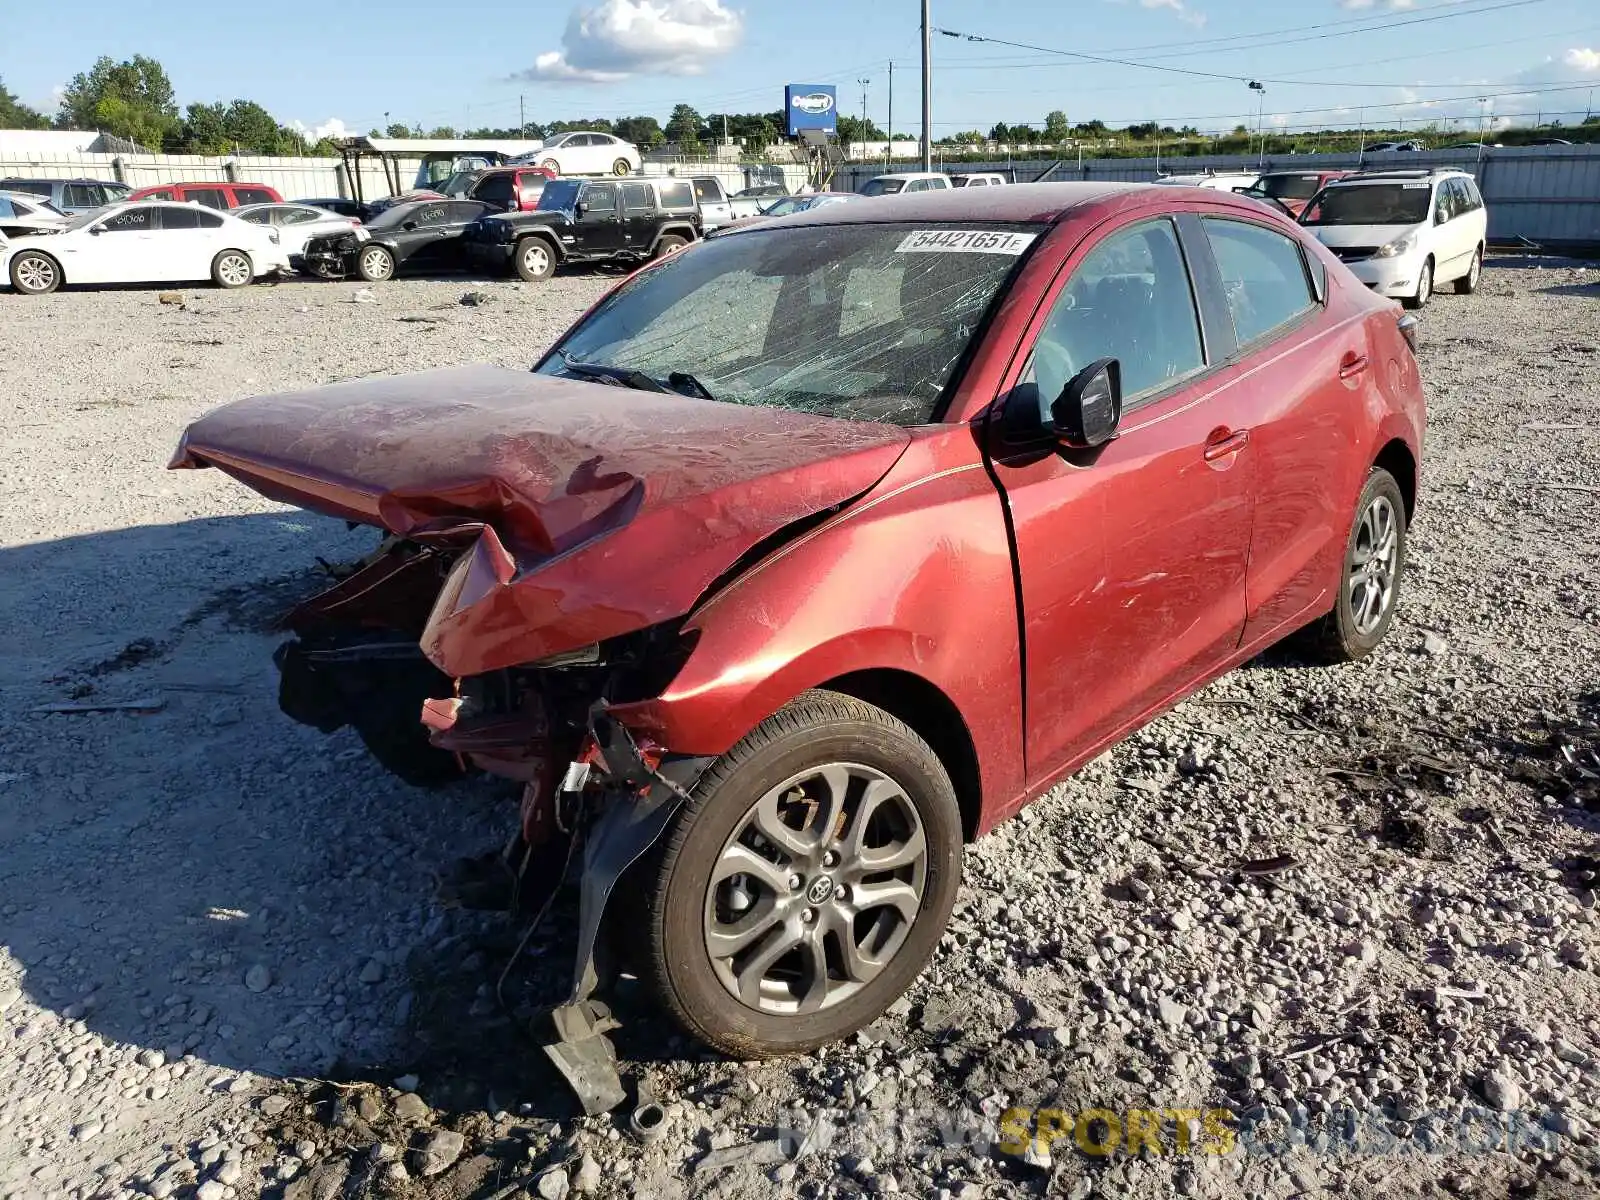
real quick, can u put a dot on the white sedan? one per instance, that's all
(295, 224)
(144, 242)
(588, 154)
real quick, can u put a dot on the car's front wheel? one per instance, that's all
(34, 273)
(1424, 292)
(1369, 584)
(232, 269)
(807, 881)
(375, 264)
(534, 259)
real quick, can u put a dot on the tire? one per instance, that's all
(1468, 283)
(232, 269)
(534, 260)
(375, 264)
(1353, 630)
(621, 167)
(550, 164)
(790, 1006)
(1424, 290)
(668, 243)
(34, 273)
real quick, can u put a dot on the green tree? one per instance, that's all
(251, 127)
(684, 126)
(644, 132)
(1056, 127)
(132, 99)
(16, 115)
(852, 130)
(396, 129)
(204, 130)
(443, 131)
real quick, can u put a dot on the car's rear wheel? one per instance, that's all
(621, 167)
(668, 243)
(34, 273)
(1468, 283)
(806, 882)
(1369, 584)
(1424, 291)
(375, 264)
(232, 269)
(550, 164)
(534, 260)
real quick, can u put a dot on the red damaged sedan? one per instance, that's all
(812, 552)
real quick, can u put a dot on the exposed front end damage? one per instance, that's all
(592, 792)
(546, 541)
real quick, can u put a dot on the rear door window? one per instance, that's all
(676, 194)
(495, 189)
(81, 195)
(186, 217)
(6, 208)
(253, 195)
(636, 197)
(1263, 275)
(131, 220)
(707, 191)
(211, 197)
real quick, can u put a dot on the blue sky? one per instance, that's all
(352, 61)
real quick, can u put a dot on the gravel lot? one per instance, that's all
(1307, 896)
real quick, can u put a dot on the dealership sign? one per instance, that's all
(811, 106)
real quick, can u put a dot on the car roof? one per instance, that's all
(53, 179)
(1022, 203)
(1399, 174)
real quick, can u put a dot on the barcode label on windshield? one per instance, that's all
(964, 241)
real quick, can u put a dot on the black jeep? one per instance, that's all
(587, 221)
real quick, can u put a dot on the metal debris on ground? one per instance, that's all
(148, 704)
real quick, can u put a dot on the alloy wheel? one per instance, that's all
(535, 257)
(1373, 563)
(36, 274)
(234, 269)
(816, 890)
(375, 264)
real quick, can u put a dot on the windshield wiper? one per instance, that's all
(630, 377)
(683, 381)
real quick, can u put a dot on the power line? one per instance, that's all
(1191, 72)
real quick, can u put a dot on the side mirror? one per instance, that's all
(409, 225)
(96, 230)
(1086, 413)
(582, 207)
(1440, 217)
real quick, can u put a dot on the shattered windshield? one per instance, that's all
(865, 322)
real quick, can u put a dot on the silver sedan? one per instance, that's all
(296, 224)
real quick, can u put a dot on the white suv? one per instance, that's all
(906, 181)
(1403, 233)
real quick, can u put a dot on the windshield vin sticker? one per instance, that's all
(964, 241)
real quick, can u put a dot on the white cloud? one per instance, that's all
(333, 127)
(1581, 58)
(1359, 5)
(621, 38)
(1179, 9)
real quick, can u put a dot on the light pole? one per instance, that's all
(865, 83)
(889, 153)
(927, 88)
(1261, 111)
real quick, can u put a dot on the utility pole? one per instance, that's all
(889, 153)
(927, 88)
(522, 118)
(1261, 111)
(865, 83)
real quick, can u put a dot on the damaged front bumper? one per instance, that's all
(592, 792)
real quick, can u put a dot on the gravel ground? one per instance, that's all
(1353, 907)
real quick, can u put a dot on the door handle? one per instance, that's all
(1224, 442)
(1352, 364)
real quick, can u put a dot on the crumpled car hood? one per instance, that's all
(606, 510)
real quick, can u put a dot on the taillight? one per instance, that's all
(1409, 324)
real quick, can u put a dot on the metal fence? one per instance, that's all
(1548, 195)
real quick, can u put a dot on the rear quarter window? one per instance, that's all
(677, 194)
